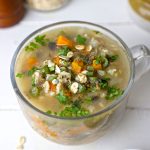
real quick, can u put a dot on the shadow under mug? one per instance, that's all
(85, 129)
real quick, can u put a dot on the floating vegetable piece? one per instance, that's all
(30, 63)
(80, 39)
(62, 97)
(56, 60)
(63, 41)
(96, 66)
(77, 66)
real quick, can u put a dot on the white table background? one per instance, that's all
(132, 132)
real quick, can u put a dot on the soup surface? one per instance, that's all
(72, 71)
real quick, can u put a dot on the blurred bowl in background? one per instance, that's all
(140, 12)
(46, 5)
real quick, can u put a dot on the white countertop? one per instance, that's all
(132, 133)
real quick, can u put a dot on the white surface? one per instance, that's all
(132, 133)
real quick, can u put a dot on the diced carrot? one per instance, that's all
(52, 87)
(62, 40)
(77, 66)
(80, 63)
(56, 60)
(30, 63)
(96, 66)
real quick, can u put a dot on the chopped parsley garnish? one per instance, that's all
(62, 51)
(40, 40)
(103, 60)
(82, 88)
(35, 91)
(113, 92)
(45, 70)
(32, 46)
(99, 59)
(112, 58)
(80, 39)
(20, 75)
(104, 83)
(74, 111)
(31, 72)
(62, 98)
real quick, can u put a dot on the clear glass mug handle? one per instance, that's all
(141, 56)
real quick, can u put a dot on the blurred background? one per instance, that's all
(14, 11)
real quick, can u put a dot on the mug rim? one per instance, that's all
(107, 108)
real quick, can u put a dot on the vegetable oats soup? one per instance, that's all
(72, 71)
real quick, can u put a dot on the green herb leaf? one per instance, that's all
(34, 45)
(104, 83)
(62, 51)
(105, 62)
(52, 77)
(82, 88)
(33, 81)
(51, 69)
(35, 91)
(113, 58)
(31, 72)
(45, 70)
(40, 39)
(99, 59)
(63, 99)
(29, 48)
(20, 75)
(74, 111)
(80, 39)
(49, 112)
(113, 92)
(77, 103)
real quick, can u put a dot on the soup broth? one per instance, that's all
(72, 71)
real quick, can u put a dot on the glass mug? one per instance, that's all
(89, 128)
